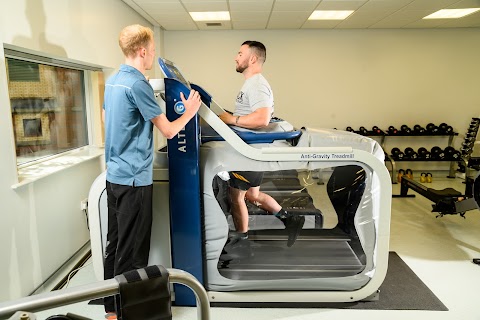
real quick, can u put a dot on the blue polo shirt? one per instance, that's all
(129, 105)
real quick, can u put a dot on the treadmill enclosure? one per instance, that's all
(194, 236)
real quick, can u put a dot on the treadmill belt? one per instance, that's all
(272, 259)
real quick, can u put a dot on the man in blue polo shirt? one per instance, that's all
(130, 112)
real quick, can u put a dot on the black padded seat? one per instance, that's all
(447, 192)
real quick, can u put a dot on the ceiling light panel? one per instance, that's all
(210, 16)
(451, 13)
(330, 14)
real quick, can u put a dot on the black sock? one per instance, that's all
(282, 214)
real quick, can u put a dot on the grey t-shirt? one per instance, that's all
(255, 93)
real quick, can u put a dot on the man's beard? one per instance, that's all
(241, 68)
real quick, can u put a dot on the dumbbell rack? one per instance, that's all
(390, 159)
(466, 159)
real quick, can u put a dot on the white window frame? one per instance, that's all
(36, 169)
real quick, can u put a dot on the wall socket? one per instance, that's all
(84, 204)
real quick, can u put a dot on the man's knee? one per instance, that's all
(237, 195)
(254, 195)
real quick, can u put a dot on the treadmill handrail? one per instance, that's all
(287, 153)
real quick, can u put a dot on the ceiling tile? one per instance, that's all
(251, 6)
(261, 16)
(432, 5)
(167, 7)
(340, 5)
(172, 21)
(249, 25)
(203, 6)
(425, 23)
(289, 5)
(385, 5)
(293, 14)
(224, 25)
(287, 20)
(401, 18)
(141, 2)
(465, 4)
(364, 18)
(320, 24)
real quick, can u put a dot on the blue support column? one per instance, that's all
(186, 221)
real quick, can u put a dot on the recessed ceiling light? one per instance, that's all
(451, 13)
(330, 14)
(210, 16)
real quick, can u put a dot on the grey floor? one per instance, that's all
(438, 250)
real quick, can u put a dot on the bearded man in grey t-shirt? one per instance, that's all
(253, 110)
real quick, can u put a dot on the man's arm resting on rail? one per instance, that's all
(260, 118)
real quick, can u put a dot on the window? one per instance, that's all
(48, 105)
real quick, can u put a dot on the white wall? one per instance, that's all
(42, 225)
(340, 78)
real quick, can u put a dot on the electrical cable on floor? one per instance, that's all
(73, 272)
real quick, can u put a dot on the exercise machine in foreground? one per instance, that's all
(337, 180)
(448, 200)
(154, 279)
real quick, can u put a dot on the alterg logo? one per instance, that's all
(179, 108)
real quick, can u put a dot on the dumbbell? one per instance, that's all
(437, 153)
(392, 130)
(470, 139)
(363, 131)
(465, 150)
(410, 153)
(431, 128)
(423, 153)
(377, 130)
(418, 129)
(473, 126)
(405, 129)
(400, 174)
(445, 128)
(451, 153)
(397, 154)
(349, 129)
(471, 134)
(468, 144)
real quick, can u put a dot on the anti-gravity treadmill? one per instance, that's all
(336, 179)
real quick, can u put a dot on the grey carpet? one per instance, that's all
(401, 290)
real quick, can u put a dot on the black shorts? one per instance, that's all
(245, 180)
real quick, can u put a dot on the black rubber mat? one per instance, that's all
(401, 290)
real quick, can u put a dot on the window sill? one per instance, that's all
(29, 174)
